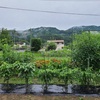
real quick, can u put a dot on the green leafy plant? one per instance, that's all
(87, 76)
(26, 70)
(45, 75)
(51, 46)
(9, 55)
(26, 57)
(59, 53)
(67, 75)
(86, 50)
(5, 37)
(6, 71)
(57, 64)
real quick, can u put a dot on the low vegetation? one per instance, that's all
(79, 64)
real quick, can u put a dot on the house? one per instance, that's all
(59, 43)
(19, 46)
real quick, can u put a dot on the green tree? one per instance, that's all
(35, 44)
(86, 50)
(5, 37)
(51, 46)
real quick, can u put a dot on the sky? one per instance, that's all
(21, 20)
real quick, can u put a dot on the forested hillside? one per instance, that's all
(50, 33)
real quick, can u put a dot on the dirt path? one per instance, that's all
(32, 97)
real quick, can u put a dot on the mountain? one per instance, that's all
(45, 33)
(53, 30)
(49, 33)
(79, 29)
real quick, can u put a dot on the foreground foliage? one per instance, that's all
(86, 51)
(82, 68)
(48, 73)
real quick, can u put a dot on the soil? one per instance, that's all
(32, 97)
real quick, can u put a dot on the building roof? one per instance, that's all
(55, 41)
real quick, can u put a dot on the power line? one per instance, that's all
(45, 11)
(70, 0)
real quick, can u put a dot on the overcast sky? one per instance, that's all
(20, 20)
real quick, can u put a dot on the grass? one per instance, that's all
(33, 97)
(16, 80)
(49, 58)
(39, 56)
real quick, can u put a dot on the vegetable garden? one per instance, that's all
(48, 69)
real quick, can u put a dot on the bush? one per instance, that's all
(51, 46)
(35, 44)
(25, 57)
(86, 50)
(59, 53)
(6, 72)
(11, 56)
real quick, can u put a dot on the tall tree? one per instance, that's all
(35, 44)
(86, 50)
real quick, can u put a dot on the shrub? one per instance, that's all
(58, 53)
(87, 77)
(86, 50)
(26, 70)
(51, 46)
(6, 71)
(45, 75)
(35, 44)
(11, 56)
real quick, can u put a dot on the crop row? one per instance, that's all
(47, 72)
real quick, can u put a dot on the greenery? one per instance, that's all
(6, 71)
(46, 76)
(5, 38)
(86, 50)
(25, 70)
(51, 46)
(87, 77)
(79, 64)
(47, 70)
(59, 53)
(11, 56)
(35, 44)
(50, 33)
(68, 75)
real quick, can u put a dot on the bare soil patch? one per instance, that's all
(32, 97)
